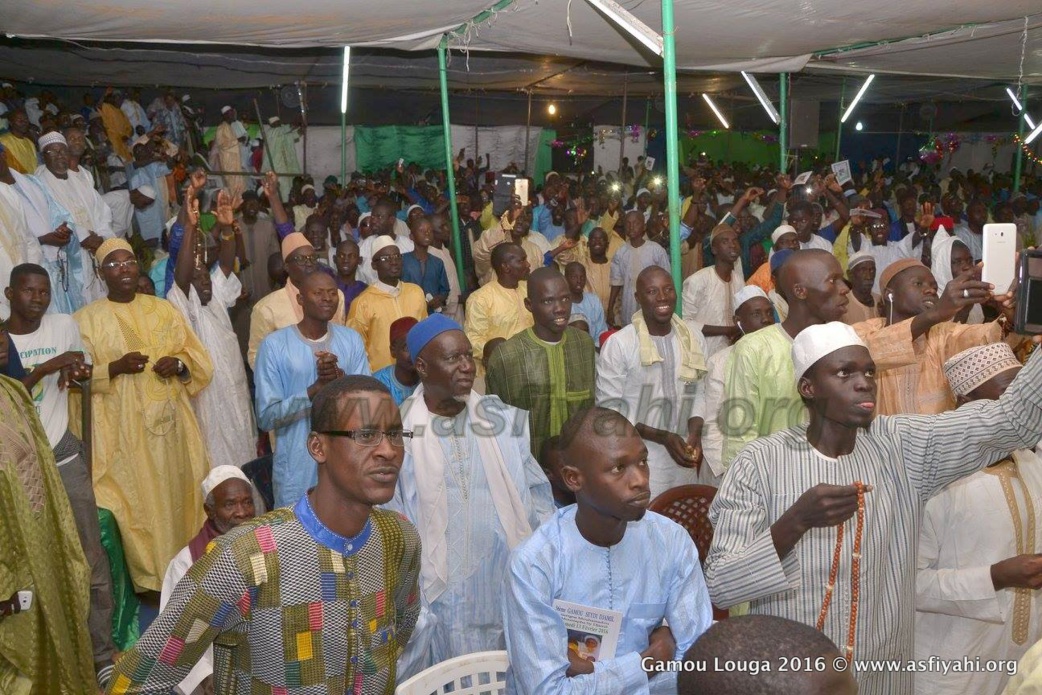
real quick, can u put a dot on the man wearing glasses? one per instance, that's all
(281, 308)
(320, 597)
(471, 485)
(149, 455)
(293, 364)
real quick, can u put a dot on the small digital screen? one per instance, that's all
(1034, 308)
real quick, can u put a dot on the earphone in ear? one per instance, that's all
(740, 326)
(890, 296)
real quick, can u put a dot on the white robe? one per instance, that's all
(90, 214)
(713, 468)
(453, 308)
(639, 393)
(708, 300)
(17, 243)
(224, 409)
(967, 528)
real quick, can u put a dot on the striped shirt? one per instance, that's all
(907, 459)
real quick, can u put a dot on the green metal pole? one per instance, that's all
(839, 124)
(647, 123)
(343, 148)
(1018, 156)
(451, 175)
(669, 70)
(783, 125)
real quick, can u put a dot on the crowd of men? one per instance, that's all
(457, 434)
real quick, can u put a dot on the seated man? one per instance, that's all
(228, 502)
(754, 639)
(595, 554)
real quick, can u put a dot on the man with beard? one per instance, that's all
(149, 454)
(472, 488)
(651, 372)
(916, 335)
(228, 501)
(773, 517)
(861, 276)
(293, 364)
(92, 218)
(708, 293)
(385, 301)
(565, 560)
(761, 395)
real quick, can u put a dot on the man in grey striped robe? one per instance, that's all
(775, 511)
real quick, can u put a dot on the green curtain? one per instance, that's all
(381, 147)
(543, 155)
(125, 626)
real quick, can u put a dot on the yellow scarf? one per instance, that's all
(692, 361)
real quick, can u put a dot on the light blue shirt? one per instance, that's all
(467, 617)
(151, 220)
(285, 369)
(652, 575)
(593, 310)
(399, 391)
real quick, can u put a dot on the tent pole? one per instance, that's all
(669, 71)
(443, 75)
(839, 124)
(647, 124)
(528, 130)
(900, 131)
(622, 128)
(783, 121)
(1018, 156)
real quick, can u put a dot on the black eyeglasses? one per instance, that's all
(371, 437)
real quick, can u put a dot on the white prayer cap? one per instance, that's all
(307, 187)
(746, 293)
(413, 207)
(218, 475)
(143, 140)
(255, 143)
(225, 109)
(642, 190)
(972, 368)
(815, 342)
(51, 138)
(782, 231)
(273, 120)
(363, 216)
(146, 191)
(380, 243)
(185, 98)
(859, 257)
(7, 85)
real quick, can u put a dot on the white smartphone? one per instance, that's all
(1000, 256)
(521, 190)
(25, 600)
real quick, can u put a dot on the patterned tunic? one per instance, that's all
(906, 459)
(291, 607)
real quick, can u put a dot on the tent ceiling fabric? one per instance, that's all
(771, 35)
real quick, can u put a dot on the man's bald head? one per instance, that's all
(590, 429)
(540, 278)
(753, 639)
(652, 272)
(317, 281)
(803, 268)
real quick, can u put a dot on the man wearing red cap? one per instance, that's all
(400, 378)
(915, 335)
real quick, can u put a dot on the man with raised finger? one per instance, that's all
(774, 544)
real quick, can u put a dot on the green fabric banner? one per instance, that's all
(380, 147)
(749, 147)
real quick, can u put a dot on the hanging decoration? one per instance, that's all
(1031, 156)
(934, 151)
(631, 131)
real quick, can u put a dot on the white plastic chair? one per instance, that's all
(485, 672)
